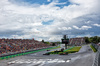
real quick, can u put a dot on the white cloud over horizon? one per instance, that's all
(27, 20)
(82, 28)
(98, 25)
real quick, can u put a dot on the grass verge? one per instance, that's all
(93, 48)
(73, 50)
(70, 50)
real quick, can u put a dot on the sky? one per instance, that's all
(49, 19)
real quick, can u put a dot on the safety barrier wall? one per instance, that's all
(97, 57)
(96, 46)
(7, 56)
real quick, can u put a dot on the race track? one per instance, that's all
(84, 57)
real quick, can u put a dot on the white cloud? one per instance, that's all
(98, 25)
(65, 28)
(88, 22)
(48, 0)
(14, 17)
(82, 28)
(55, 38)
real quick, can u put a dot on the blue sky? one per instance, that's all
(49, 19)
(48, 22)
(41, 2)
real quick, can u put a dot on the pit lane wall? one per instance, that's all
(97, 57)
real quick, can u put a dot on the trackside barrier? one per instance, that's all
(97, 57)
(24, 53)
(96, 46)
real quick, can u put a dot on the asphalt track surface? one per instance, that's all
(84, 57)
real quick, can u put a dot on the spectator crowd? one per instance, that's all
(77, 41)
(19, 45)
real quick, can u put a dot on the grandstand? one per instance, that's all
(77, 41)
(19, 45)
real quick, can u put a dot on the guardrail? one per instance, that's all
(97, 57)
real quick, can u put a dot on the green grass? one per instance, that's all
(75, 49)
(93, 48)
(70, 50)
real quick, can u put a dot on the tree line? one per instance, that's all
(95, 39)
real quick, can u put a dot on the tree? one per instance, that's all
(94, 39)
(98, 39)
(87, 40)
(53, 44)
(47, 43)
(43, 41)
